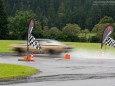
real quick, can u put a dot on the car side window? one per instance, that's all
(48, 41)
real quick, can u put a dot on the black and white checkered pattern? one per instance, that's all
(110, 42)
(32, 41)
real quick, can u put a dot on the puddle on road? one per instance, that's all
(61, 77)
(92, 54)
(67, 77)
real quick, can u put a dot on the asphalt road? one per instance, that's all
(60, 72)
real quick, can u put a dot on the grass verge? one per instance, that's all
(91, 46)
(10, 71)
(5, 45)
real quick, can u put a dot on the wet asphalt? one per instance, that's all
(57, 71)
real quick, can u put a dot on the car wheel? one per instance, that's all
(51, 51)
(19, 51)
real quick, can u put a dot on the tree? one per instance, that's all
(101, 26)
(60, 12)
(85, 32)
(18, 25)
(61, 15)
(44, 22)
(3, 22)
(45, 32)
(54, 33)
(71, 31)
(37, 31)
(106, 19)
(103, 23)
(51, 14)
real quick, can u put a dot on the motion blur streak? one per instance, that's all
(81, 53)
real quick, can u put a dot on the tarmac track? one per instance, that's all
(61, 72)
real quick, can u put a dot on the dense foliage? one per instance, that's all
(67, 20)
(100, 27)
(3, 22)
(57, 13)
(18, 25)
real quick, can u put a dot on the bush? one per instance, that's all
(83, 39)
(94, 39)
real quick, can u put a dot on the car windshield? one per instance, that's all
(50, 41)
(53, 41)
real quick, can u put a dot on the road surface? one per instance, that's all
(61, 72)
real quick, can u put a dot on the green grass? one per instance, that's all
(87, 35)
(5, 45)
(10, 71)
(91, 46)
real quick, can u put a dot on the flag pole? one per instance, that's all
(27, 53)
(27, 46)
(31, 25)
(27, 41)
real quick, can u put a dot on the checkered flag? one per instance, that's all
(110, 42)
(107, 40)
(32, 41)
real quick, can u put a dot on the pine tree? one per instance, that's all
(3, 22)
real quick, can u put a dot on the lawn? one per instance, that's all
(5, 45)
(91, 46)
(86, 35)
(10, 71)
